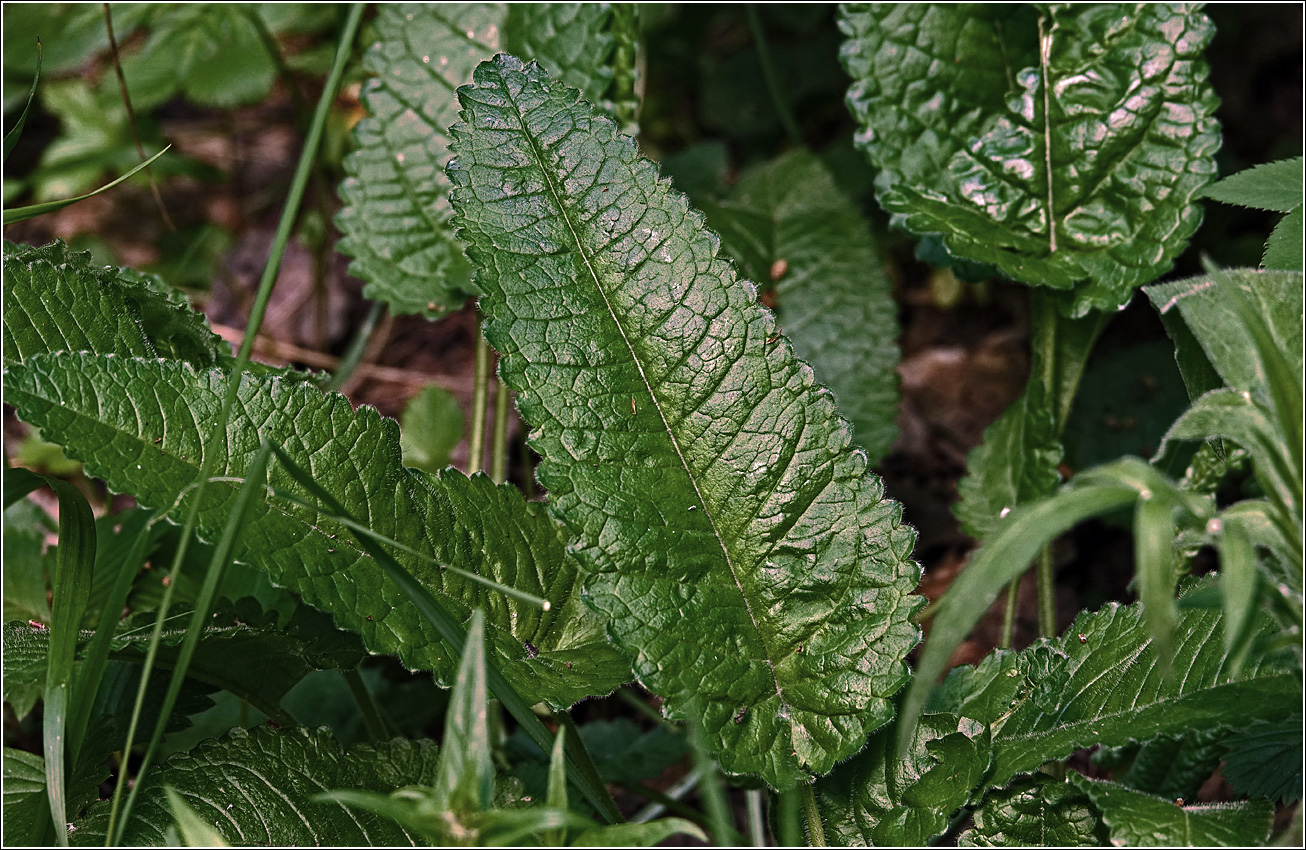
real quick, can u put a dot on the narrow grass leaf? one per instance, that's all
(464, 782)
(12, 137)
(13, 215)
(75, 565)
(192, 831)
(1239, 578)
(1154, 566)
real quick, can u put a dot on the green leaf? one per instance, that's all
(1036, 811)
(792, 228)
(1061, 144)
(875, 799)
(1015, 463)
(464, 782)
(192, 831)
(115, 409)
(258, 786)
(650, 834)
(1275, 186)
(395, 218)
(736, 541)
(1105, 686)
(12, 137)
(25, 564)
(1141, 820)
(1174, 766)
(1283, 250)
(25, 666)
(58, 300)
(26, 814)
(430, 427)
(17, 214)
(1265, 760)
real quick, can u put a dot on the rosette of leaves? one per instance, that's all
(1063, 145)
(735, 540)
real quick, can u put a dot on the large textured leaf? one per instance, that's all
(25, 808)
(138, 425)
(1265, 760)
(1142, 820)
(395, 218)
(1059, 143)
(257, 788)
(877, 800)
(1036, 811)
(1105, 685)
(736, 541)
(790, 226)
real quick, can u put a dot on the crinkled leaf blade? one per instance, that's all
(258, 787)
(1064, 145)
(138, 423)
(1142, 820)
(736, 542)
(1265, 760)
(1035, 812)
(805, 238)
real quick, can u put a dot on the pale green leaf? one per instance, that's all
(791, 227)
(25, 565)
(1283, 250)
(257, 787)
(430, 427)
(649, 834)
(138, 423)
(464, 782)
(1141, 820)
(736, 541)
(192, 831)
(1063, 144)
(1036, 811)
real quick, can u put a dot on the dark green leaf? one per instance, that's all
(191, 830)
(26, 813)
(792, 229)
(17, 214)
(1275, 186)
(25, 565)
(1015, 463)
(1265, 760)
(1174, 766)
(395, 217)
(115, 409)
(1061, 144)
(258, 786)
(1036, 811)
(1283, 250)
(1141, 820)
(875, 799)
(736, 541)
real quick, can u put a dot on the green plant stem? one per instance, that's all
(219, 433)
(811, 814)
(480, 399)
(633, 700)
(790, 834)
(367, 705)
(1047, 598)
(354, 354)
(1008, 637)
(756, 821)
(499, 443)
(769, 76)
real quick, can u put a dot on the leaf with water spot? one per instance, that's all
(1063, 144)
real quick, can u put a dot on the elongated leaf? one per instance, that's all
(1061, 144)
(1174, 766)
(58, 300)
(737, 543)
(1141, 820)
(464, 782)
(875, 799)
(12, 137)
(257, 786)
(1036, 812)
(1106, 686)
(12, 215)
(1015, 463)
(192, 831)
(395, 217)
(791, 227)
(139, 420)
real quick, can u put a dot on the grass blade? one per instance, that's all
(12, 216)
(11, 138)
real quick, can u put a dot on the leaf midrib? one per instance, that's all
(639, 365)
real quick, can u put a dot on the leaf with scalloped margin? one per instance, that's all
(864, 803)
(1265, 760)
(733, 537)
(137, 424)
(1064, 144)
(1142, 820)
(395, 214)
(1036, 811)
(1108, 688)
(258, 785)
(790, 226)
